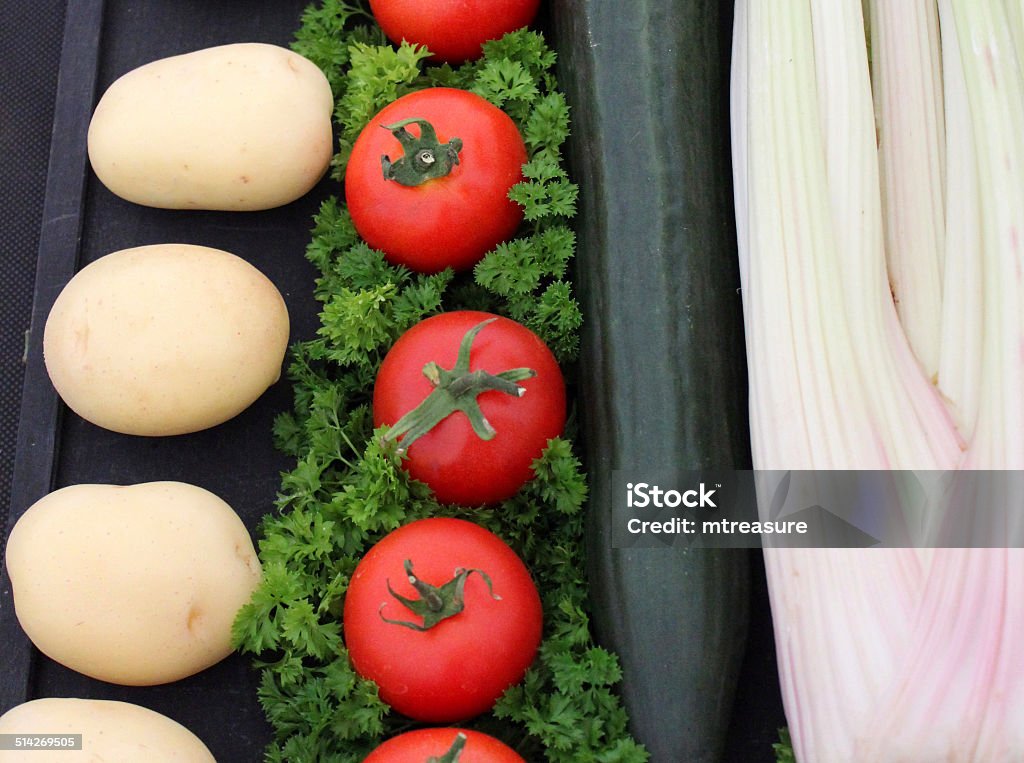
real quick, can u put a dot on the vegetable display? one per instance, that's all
(897, 653)
(139, 584)
(663, 373)
(348, 489)
(443, 617)
(502, 379)
(436, 553)
(428, 179)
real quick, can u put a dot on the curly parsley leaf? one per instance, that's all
(784, 748)
(378, 75)
(318, 40)
(345, 492)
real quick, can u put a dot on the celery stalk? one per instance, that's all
(961, 333)
(990, 45)
(891, 655)
(995, 89)
(906, 71)
(816, 399)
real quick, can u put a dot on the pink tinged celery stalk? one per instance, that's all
(972, 610)
(858, 631)
(906, 73)
(991, 38)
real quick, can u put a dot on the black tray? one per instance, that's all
(82, 221)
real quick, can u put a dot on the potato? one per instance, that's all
(235, 127)
(135, 585)
(165, 339)
(113, 732)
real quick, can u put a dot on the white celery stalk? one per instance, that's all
(961, 339)
(889, 655)
(996, 99)
(885, 656)
(829, 369)
(906, 69)
(920, 432)
(800, 333)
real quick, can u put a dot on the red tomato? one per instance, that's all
(451, 458)
(453, 30)
(446, 221)
(457, 668)
(424, 744)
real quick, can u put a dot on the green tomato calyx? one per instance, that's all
(452, 756)
(425, 157)
(436, 603)
(457, 390)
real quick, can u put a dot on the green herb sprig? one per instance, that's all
(783, 749)
(346, 492)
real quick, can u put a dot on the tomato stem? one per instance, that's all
(452, 756)
(457, 390)
(425, 158)
(435, 603)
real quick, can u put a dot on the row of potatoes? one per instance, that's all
(139, 585)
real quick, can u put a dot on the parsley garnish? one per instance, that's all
(346, 492)
(784, 748)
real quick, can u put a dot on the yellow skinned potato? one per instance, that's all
(135, 585)
(165, 339)
(113, 732)
(235, 127)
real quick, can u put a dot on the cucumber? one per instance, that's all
(662, 360)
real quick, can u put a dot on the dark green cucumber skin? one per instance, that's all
(662, 372)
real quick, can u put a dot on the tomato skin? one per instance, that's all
(458, 668)
(450, 221)
(458, 465)
(420, 745)
(453, 30)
